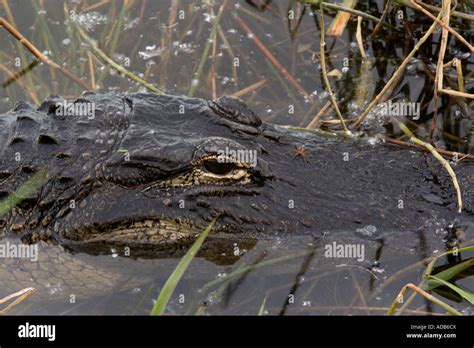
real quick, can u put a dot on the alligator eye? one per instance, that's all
(218, 168)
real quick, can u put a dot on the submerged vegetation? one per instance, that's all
(332, 69)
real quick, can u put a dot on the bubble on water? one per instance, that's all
(412, 67)
(377, 269)
(194, 82)
(150, 63)
(132, 24)
(150, 52)
(306, 303)
(221, 275)
(250, 35)
(136, 291)
(207, 17)
(212, 298)
(54, 289)
(374, 140)
(323, 95)
(368, 230)
(66, 42)
(183, 47)
(232, 31)
(90, 20)
(225, 80)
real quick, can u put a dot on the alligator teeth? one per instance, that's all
(163, 231)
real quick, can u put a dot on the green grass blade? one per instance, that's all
(118, 30)
(197, 74)
(24, 191)
(461, 250)
(262, 307)
(175, 277)
(430, 266)
(453, 271)
(469, 296)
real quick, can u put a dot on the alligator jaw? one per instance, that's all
(146, 231)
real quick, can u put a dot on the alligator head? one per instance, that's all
(154, 170)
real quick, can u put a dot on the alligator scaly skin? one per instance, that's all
(141, 173)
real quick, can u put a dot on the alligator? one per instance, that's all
(150, 172)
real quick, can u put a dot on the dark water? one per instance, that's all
(146, 38)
